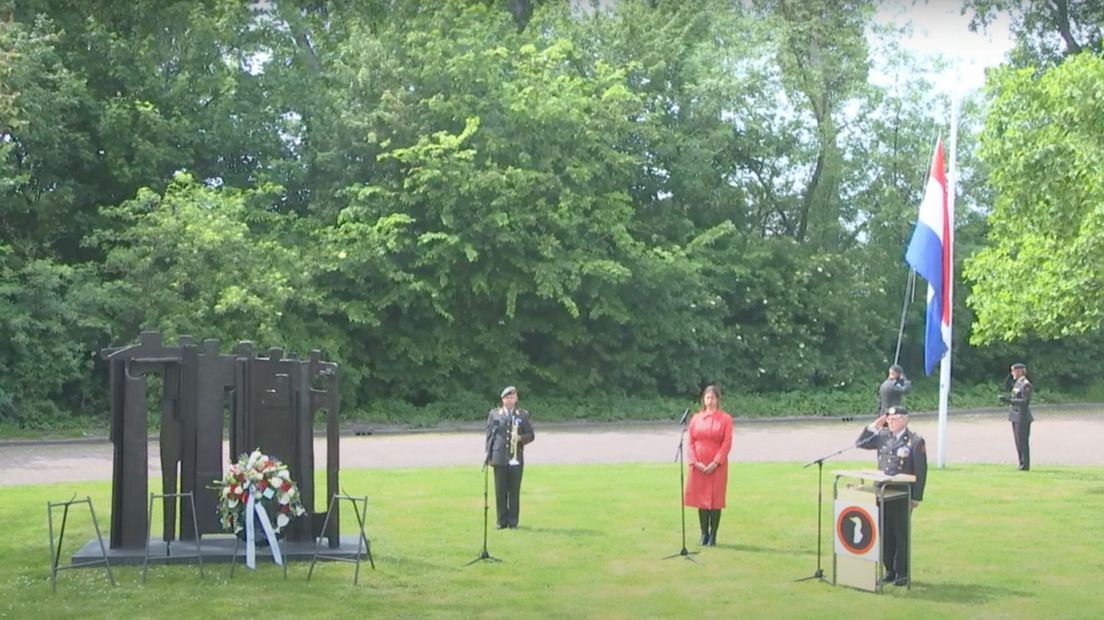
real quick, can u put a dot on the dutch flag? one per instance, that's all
(929, 253)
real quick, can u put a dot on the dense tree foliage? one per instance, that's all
(1042, 273)
(628, 197)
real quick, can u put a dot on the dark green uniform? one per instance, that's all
(891, 392)
(1020, 416)
(507, 468)
(904, 454)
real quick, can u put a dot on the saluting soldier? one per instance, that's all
(892, 391)
(508, 432)
(1019, 413)
(900, 451)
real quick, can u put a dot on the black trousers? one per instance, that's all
(508, 494)
(1021, 432)
(895, 537)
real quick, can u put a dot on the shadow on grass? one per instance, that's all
(413, 563)
(564, 531)
(1065, 474)
(755, 549)
(966, 594)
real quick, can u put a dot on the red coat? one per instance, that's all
(709, 441)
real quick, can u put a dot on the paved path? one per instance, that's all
(1059, 436)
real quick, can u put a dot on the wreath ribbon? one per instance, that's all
(253, 508)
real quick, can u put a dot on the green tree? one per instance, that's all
(1045, 32)
(1041, 274)
(196, 260)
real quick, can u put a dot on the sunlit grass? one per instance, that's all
(990, 542)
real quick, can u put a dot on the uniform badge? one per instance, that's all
(903, 452)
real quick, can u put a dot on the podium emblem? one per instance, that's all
(856, 529)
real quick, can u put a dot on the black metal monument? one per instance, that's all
(269, 403)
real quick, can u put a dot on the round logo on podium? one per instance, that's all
(855, 530)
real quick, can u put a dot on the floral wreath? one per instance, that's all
(269, 483)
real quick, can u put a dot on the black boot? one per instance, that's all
(714, 521)
(703, 519)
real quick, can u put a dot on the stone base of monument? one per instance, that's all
(216, 548)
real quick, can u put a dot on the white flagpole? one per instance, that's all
(945, 363)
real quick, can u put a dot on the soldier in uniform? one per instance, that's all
(892, 391)
(508, 432)
(900, 451)
(1019, 413)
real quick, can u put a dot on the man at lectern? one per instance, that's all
(900, 451)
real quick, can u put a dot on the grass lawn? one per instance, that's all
(989, 542)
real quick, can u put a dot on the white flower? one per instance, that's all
(282, 520)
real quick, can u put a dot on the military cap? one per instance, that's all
(1019, 366)
(508, 390)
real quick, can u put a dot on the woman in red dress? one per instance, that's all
(710, 439)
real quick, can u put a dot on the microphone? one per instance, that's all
(685, 414)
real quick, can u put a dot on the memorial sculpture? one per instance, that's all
(269, 403)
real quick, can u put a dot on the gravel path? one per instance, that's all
(1061, 435)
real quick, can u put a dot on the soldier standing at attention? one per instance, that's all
(508, 432)
(1019, 413)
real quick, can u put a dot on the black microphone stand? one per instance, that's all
(484, 555)
(819, 574)
(682, 483)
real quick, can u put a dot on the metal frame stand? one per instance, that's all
(168, 548)
(684, 553)
(907, 499)
(362, 539)
(818, 574)
(484, 554)
(55, 552)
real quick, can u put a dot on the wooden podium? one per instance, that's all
(858, 523)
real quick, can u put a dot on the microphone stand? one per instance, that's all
(819, 575)
(484, 555)
(682, 483)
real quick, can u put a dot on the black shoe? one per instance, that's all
(513, 526)
(889, 578)
(704, 540)
(901, 581)
(500, 526)
(712, 540)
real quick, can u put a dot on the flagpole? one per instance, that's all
(945, 363)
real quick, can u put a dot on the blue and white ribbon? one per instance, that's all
(253, 508)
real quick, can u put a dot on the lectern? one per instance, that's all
(860, 498)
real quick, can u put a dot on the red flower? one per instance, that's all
(285, 487)
(261, 486)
